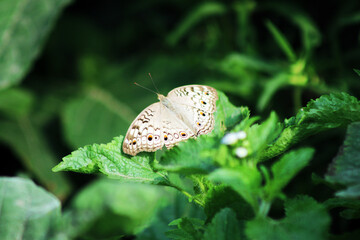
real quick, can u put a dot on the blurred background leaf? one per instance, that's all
(24, 26)
(27, 211)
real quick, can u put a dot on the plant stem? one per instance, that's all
(198, 201)
(264, 208)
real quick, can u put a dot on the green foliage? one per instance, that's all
(242, 181)
(326, 112)
(109, 160)
(27, 211)
(345, 168)
(108, 209)
(305, 219)
(24, 25)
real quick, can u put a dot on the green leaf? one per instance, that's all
(188, 228)
(260, 136)
(108, 208)
(227, 115)
(281, 41)
(178, 160)
(245, 180)
(345, 168)
(109, 160)
(357, 71)
(27, 211)
(204, 10)
(305, 219)
(271, 86)
(285, 169)
(16, 102)
(224, 226)
(24, 26)
(219, 197)
(95, 118)
(326, 112)
(28, 142)
(178, 207)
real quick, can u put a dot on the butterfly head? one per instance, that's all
(160, 97)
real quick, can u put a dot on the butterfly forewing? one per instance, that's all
(158, 125)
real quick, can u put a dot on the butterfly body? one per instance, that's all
(186, 112)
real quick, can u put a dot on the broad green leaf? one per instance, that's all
(285, 169)
(95, 118)
(27, 211)
(15, 102)
(345, 168)
(188, 228)
(326, 112)
(220, 196)
(24, 26)
(204, 10)
(28, 142)
(245, 180)
(305, 219)
(108, 208)
(224, 226)
(109, 160)
(178, 159)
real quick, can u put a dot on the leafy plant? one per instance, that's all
(278, 164)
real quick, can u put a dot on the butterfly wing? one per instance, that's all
(198, 103)
(154, 127)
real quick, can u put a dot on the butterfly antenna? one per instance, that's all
(153, 83)
(145, 88)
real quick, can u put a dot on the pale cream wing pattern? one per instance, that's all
(185, 113)
(154, 127)
(199, 103)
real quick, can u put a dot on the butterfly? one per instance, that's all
(186, 112)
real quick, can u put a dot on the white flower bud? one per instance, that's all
(241, 152)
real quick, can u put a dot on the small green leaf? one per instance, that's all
(109, 160)
(245, 180)
(357, 71)
(345, 168)
(224, 226)
(220, 196)
(260, 136)
(177, 207)
(271, 86)
(286, 168)
(227, 115)
(305, 219)
(108, 208)
(24, 26)
(281, 41)
(27, 211)
(204, 10)
(188, 228)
